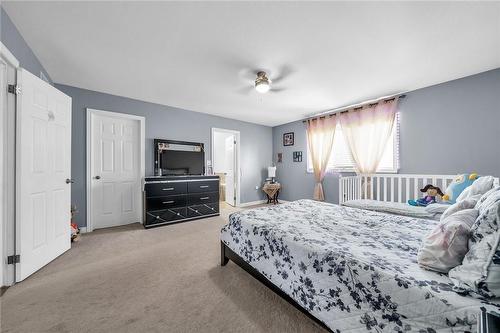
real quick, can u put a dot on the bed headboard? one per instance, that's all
(390, 187)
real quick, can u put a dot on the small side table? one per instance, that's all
(272, 191)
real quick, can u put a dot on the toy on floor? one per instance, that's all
(431, 192)
(75, 232)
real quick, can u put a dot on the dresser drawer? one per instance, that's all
(201, 210)
(202, 198)
(163, 216)
(172, 201)
(164, 189)
(203, 186)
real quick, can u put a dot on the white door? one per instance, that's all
(115, 175)
(43, 163)
(230, 170)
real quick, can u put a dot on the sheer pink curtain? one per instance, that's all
(320, 134)
(366, 131)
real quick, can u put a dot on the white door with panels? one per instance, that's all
(43, 174)
(116, 168)
(230, 170)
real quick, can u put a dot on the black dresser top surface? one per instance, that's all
(179, 178)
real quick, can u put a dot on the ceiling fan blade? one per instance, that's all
(245, 90)
(276, 90)
(284, 72)
(247, 75)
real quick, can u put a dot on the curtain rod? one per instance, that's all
(356, 106)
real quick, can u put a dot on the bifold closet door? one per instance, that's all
(43, 178)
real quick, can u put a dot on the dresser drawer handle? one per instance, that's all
(204, 186)
(168, 202)
(168, 189)
(205, 198)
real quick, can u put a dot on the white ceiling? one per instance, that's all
(196, 55)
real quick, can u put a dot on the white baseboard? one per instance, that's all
(252, 203)
(83, 230)
(258, 202)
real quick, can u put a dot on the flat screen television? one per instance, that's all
(179, 158)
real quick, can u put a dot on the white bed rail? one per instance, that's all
(389, 187)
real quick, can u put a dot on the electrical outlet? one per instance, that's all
(257, 187)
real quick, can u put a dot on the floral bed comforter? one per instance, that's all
(353, 269)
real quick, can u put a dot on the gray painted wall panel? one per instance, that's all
(16, 44)
(167, 123)
(448, 128)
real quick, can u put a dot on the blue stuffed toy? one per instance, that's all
(460, 183)
(431, 192)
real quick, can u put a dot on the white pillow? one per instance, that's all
(458, 206)
(478, 188)
(437, 208)
(445, 247)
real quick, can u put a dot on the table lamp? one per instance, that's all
(271, 173)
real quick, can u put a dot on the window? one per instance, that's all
(341, 159)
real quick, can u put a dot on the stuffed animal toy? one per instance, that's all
(431, 192)
(460, 183)
(75, 232)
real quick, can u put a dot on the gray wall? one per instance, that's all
(167, 123)
(448, 128)
(16, 44)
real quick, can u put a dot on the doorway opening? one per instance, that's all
(226, 164)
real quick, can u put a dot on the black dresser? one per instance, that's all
(172, 199)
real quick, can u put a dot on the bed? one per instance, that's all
(349, 269)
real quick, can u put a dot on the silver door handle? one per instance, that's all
(69, 181)
(205, 198)
(168, 202)
(97, 177)
(204, 186)
(168, 189)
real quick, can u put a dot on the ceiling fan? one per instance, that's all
(262, 81)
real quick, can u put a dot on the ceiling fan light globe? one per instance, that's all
(262, 87)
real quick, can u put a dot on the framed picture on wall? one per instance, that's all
(297, 156)
(280, 157)
(288, 139)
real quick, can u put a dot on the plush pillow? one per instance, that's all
(477, 189)
(437, 208)
(487, 199)
(480, 269)
(445, 247)
(458, 206)
(460, 183)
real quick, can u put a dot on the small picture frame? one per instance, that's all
(280, 157)
(297, 156)
(288, 139)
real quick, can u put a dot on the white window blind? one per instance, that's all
(341, 158)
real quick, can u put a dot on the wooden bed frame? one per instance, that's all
(227, 254)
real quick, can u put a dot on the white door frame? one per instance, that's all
(142, 137)
(237, 155)
(7, 173)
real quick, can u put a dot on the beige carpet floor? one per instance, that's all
(166, 279)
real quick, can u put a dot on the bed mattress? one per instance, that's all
(353, 269)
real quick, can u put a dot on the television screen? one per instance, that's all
(177, 162)
(180, 158)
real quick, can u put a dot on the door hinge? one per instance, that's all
(14, 89)
(15, 259)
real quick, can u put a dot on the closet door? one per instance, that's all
(43, 179)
